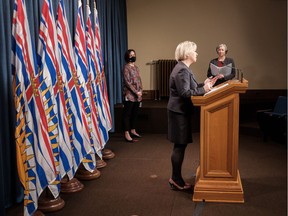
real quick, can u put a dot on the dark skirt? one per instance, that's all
(179, 128)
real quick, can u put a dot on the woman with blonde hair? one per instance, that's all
(183, 85)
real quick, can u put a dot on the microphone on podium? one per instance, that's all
(239, 73)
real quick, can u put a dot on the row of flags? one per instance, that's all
(61, 101)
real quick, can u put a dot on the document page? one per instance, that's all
(225, 70)
(216, 88)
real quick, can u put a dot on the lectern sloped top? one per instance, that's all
(226, 88)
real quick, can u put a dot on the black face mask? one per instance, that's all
(132, 59)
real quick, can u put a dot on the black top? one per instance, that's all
(227, 61)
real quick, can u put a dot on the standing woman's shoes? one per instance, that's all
(188, 184)
(128, 137)
(127, 140)
(175, 186)
(135, 135)
(132, 140)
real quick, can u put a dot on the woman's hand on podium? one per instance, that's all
(207, 86)
(212, 80)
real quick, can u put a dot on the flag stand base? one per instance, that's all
(85, 175)
(100, 163)
(38, 213)
(47, 202)
(107, 154)
(70, 186)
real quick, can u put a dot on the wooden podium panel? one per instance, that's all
(217, 177)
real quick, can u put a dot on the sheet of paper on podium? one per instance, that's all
(225, 70)
(216, 88)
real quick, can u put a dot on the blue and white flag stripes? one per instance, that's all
(100, 135)
(36, 165)
(103, 95)
(81, 137)
(51, 86)
(62, 108)
(82, 67)
(50, 61)
(104, 124)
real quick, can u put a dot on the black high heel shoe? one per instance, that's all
(135, 135)
(175, 186)
(127, 140)
(132, 140)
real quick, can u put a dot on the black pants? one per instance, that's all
(130, 112)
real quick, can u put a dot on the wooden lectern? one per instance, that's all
(217, 177)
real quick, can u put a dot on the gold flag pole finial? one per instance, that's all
(87, 2)
(95, 4)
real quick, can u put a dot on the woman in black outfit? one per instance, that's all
(132, 95)
(182, 86)
(220, 61)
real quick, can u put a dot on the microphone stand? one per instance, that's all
(240, 74)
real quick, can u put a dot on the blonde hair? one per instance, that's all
(183, 49)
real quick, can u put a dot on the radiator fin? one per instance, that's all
(164, 68)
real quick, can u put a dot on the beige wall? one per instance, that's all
(255, 32)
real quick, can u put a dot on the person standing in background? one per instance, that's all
(182, 85)
(132, 95)
(221, 61)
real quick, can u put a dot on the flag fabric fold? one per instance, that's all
(35, 160)
(97, 125)
(61, 100)
(80, 130)
(53, 96)
(101, 79)
(82, 68)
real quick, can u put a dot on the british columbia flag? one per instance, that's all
(35, 160)
(101, 79)
(48, 35)
(82, 67)
(80, 133)
(53, 92)
(100, 131)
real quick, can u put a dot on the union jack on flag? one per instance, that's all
(53, 92)
(101, 134)
(60, 92)
(35, 161)
(82, 67)
(80, 134)
(101, 79)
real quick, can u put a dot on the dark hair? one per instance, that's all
(127, 53)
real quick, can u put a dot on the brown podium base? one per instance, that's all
(85, 175)
(71, 186)
(107, 154)
(218, 190)
(47, 203)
